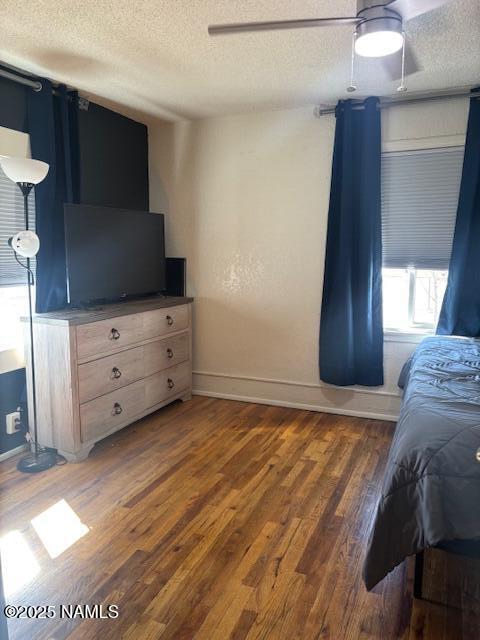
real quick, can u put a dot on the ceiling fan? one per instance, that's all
(379, 31)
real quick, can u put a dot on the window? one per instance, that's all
(419, 203)
(14, 305)
(412, 298)
(13, 278)
(12, 220)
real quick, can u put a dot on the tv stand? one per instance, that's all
(100, 369)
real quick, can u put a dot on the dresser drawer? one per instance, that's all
(166, 353)
(167, 383)
(107, 335)
(102, 414)
(110, 335)
(104, 375)
(101, 376)
(164, 321)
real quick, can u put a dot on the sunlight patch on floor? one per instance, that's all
(58, 527)
(19, 566)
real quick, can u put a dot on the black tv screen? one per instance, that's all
(113, 254)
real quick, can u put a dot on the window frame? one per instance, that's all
(413, 327)
(416, 333)
(412, 294)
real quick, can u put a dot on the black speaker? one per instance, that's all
(176, 276)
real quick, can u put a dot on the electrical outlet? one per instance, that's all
(13, 422)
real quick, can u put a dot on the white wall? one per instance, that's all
(14, 143)
(246, 199)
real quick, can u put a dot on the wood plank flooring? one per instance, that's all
(216, 519)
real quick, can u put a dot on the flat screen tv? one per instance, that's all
(112, 254)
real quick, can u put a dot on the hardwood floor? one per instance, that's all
(216, 519)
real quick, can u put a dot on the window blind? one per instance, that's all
(419, 206)
(11, 221)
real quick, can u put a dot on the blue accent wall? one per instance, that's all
(12, 394)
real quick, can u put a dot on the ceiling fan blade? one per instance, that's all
(242, 27)
(409, 9)
(393, 63)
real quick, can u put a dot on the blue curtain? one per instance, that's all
(460, 314)
(351, 331)
(53, 129)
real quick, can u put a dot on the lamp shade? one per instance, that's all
(25, 243)
(24, 169)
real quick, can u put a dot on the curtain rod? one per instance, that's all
(34, 84)
(389, 102)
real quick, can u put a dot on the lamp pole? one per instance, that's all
(25, 188)
(26, 173)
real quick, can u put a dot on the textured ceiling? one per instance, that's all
(155, 57)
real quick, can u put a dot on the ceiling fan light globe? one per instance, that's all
(377, 44)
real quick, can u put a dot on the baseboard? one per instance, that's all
(296, 405)
(13, 452)
(294, 383)
(350, 402)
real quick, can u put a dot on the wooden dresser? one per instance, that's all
(101, 369)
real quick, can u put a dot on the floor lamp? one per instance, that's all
(26, 173)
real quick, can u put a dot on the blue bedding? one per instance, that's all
(431, 489)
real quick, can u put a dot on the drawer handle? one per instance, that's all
(169, 321)
(114, 334)
(170, 383)
(116, 373)
(117, 409)
(169, 353)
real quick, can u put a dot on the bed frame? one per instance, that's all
(468, 548)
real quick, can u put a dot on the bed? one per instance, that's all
(431, 489)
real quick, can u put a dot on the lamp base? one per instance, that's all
(36, 463)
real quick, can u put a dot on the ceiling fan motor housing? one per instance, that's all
(378, 22)
(382, 18)
(377, 16)
(368, 4)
